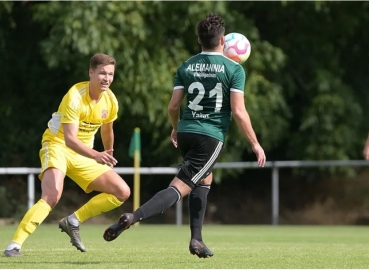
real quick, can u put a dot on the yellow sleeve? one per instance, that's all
(70, 108)
(113, 115)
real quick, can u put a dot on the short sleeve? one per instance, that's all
(178, 82)
(113, 114)
(238, 79)
(70, 108)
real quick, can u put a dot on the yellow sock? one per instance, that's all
(97, 205)
(31, 220)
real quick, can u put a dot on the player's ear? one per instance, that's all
(222, 40)
(90, 72)
(199, 40)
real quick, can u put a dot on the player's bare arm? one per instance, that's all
(366, 149)
(107, 136)
(70, 135)
(174, 111)
(174, 107)
(243, 122)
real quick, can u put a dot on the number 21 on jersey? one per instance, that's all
(217, 92)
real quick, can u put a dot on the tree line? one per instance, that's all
(306, 88)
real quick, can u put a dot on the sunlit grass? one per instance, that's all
(159, 246)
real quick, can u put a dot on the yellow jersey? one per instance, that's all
(78, 108)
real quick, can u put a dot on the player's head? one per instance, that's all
(101, 71)
(210, 31)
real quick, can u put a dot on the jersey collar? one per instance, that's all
(211, 53)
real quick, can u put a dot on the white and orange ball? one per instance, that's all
(237, 47)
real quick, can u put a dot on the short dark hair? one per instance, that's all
(101, 59)
(209, 30)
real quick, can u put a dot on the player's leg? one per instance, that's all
(52, 188)
(160, 202)
(196, 165)
(197, 206)
(207, 150)
(178, 188)
(157, 204)
(90, 176)
(115, 192)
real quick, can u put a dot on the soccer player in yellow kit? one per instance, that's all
(67, 149)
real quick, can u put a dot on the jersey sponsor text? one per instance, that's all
(198, 67)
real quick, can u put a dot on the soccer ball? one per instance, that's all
(237, 47)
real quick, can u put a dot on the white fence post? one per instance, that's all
(31, 190)
(275, 195)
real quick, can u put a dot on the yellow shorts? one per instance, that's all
(80, 169)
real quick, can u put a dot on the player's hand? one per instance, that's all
(366, 152)
(173, 138)
(260, 155)
(106, 158)
(110, 152)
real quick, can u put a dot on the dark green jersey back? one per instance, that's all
(208, 79)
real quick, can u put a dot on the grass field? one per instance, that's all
(166, 246)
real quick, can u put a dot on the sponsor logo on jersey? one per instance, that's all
(199, 67)
(104, 114)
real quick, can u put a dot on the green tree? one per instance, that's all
(326, 108)
(150, 43)
(302, 86)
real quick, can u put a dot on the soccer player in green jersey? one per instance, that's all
(214, 87)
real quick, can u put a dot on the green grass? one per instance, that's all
(165, 246)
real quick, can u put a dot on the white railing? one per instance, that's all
(274, 165)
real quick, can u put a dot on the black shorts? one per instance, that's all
(200, 153)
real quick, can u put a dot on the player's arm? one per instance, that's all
(243, 122)
(174, 107)
(242, 117)
(71, 109)
(176, 100)
(71, 140)
(106, 130)
(107, 136)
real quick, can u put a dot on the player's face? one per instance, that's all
(102, 76)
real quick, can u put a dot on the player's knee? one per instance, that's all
(122, 193)
(51, 200)
(51, 197)
(208, 179)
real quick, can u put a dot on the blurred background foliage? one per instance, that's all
(306, 88)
